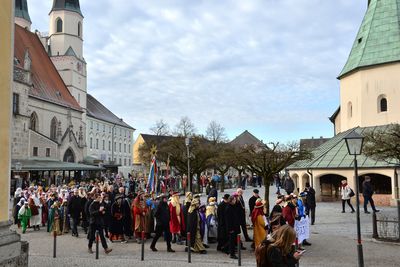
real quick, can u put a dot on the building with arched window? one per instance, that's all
(369, 91)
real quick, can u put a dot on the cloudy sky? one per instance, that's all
(268, 66)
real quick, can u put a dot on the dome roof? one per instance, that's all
(21, 10)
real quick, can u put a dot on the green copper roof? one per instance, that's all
(71, 5)
(378, 39)
(21, 10)
(334, 155)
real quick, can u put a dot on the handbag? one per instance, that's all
(351, 194)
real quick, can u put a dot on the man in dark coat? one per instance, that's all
(97, 211)
(241, 213)
(252, 200)
(213, 191)
(75, 209)
(368, 191)
(232, 224)
(162, 218)
(288, 185)
(223, 237)
(310, 202)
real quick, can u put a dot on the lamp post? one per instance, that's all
(354, 143)
(187, 143)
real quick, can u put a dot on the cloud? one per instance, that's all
(266, 66)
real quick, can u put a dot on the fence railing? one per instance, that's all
(385, 227)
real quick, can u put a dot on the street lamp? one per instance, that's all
(187, 143)
(354, 143)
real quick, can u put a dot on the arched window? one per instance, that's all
(349, 109)
(34, 122)
(53, 129)
(79, 29)
(382, 103)
(59, 24)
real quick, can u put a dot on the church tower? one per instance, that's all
(22, 15)
(370, 79)
(65, 47)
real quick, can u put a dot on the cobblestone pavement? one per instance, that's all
(333, 239)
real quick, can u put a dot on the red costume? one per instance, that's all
(176, 223)
(139, 210)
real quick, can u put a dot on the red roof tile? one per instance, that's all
(47, 83)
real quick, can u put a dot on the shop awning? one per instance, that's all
(49, 165)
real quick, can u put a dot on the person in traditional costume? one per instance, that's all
(203, 225)
(196, 243)
(107, 215)
(176, 221)
(126, 213)
(24, 214)
(259, 222)
(64, 215)
(223, 235)
(55, 218)
(139, 213)
(19, 205)
(34, 205)
(186, 206)
(116, 226)
(162, 216)
(211, 217)
(45, 208)
(150, 205)
(50, 203)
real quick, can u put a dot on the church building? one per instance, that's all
(50, 99)
(369, 101)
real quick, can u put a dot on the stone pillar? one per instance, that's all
(13, 252)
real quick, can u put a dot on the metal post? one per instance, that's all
(374, 226)
(239, 251)
(189, 247)
(55, 244)
(359, 244)
(142, 258)
(97, 245)
(188, 166)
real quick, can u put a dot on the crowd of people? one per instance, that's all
(122, 213)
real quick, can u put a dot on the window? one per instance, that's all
(120, 146)
(59, 24)
(124, 162)
(53, 129)
(125, 148)
(97, 126)
(91, 142)
(79, 29)
(97, 143)
(125, 133)
(91, 124)
(115, 146)
(129, 149)
(35, 151)
(104, 144)
(104, 128)
(109, 145)
(349, 109)
(48, 152)
(383, 104)
(109, 129)
(34, 122)
(129, 162)
(15, 103)
(120, 161)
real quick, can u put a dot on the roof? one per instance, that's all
(312, 143)
(70, 5)
(334, 115)
(156, 139)
(47, 83)
(246, 138)
(21, 10)
(70, 52)
(333, 154)
(52, 165)
(98, 111)
(378, 39)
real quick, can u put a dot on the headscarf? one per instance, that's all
(18, 192)
(257, 211)
(194, 205)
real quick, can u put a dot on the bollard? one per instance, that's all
(97, 245)
(374, 226)
(142, 259)
(239, 250)
(189, 246)
(55, 244)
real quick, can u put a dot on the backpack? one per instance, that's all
(261, 253)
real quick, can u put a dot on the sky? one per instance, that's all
(266, 66)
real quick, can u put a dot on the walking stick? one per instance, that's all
(97, 245)
(142, 258)
(189, 247)
(55, 244)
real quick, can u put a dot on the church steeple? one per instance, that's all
(378, 38)
(22, 17)
(71, 5)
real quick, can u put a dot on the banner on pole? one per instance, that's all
(302, 229)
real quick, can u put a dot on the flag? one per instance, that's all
(152, 181)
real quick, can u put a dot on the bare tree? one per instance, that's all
(160, 128)
(185, 127)
(216, 132)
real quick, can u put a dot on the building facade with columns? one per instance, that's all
(369, 101)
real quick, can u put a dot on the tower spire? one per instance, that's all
(22, 17)
(70, 5)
